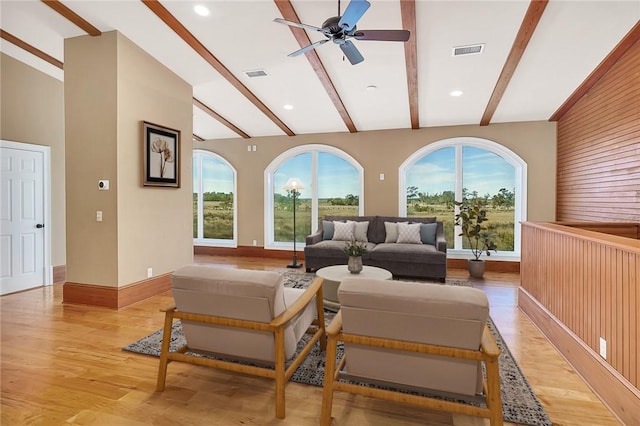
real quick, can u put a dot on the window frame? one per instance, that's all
(276, 163)
(520, 177)
(200, 154)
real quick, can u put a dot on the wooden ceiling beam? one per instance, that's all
(198, 138)
(288, 13)
(527, 28)
(632, 37)
(29, 48)
(408, 11)
(219, 118)
(73, 17)
(182, 32)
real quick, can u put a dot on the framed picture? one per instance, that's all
(161, 155)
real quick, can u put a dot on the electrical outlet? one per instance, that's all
(381, 176)
(99, 216)
(603, 348)
(255, 243)
(149, 272)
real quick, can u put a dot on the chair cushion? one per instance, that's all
(240, 294)
(418, 312)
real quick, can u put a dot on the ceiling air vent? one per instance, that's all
(474, 49)
(256, 73)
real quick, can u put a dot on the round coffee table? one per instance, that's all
(333, 276)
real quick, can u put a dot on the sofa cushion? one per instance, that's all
(343, 231)
(332, 249)
(409, 233)
(391, 231)
(394, 252)
(360, 231)
(327, 230)
(428, 233)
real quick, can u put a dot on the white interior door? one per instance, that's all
(22, 217)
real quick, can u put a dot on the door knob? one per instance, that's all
(40, 225)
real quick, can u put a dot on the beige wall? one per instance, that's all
(32, 111)
(110, 87)
(155, 225)
(383, 152)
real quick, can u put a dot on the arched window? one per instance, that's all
(214, 200)
(333, 185)
(467, 168)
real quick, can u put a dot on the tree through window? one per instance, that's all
(332, 186)
(467, 168)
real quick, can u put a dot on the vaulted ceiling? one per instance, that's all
(536, 55)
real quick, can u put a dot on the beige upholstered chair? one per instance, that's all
(413, 336)
(242, 315)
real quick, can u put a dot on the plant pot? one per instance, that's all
(476, 268)
(355, 264)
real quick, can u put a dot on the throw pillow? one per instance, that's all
(327, 230)
(360, 230)
(391, 229)
(343, 231)
(409, 233)
(428, 233)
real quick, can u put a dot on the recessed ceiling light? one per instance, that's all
(371, 88)
(201, 10)
(288, 106)
(456, 93)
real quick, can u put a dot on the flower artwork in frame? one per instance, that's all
(161, 155)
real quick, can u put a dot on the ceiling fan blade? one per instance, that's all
(353, 13)
(307, 48)
(382, 35)
(299, 25)
(351, 52)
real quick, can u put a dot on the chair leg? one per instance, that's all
(494, 398)
(280, 373)
(164, 354)
(321, 324)
(329, 376)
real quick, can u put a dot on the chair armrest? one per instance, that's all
(314, 238)
(488, 343)
(335, 326)
(315, 289)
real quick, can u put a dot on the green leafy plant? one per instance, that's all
(471, 218)
(355, 248)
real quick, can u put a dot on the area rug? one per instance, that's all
(519, 403)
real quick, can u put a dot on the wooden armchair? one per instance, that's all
(395, 335)
(242, 315)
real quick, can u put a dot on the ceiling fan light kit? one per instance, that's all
(339, 29)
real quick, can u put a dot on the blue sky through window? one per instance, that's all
(483, 171)
(336, 177)
(216, 176)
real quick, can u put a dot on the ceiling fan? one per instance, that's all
(339, 29)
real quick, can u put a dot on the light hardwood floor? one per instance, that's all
(64, 364)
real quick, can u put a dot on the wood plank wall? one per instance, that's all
(582, 285)
(598, 172)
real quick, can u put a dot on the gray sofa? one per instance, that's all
(427, 259)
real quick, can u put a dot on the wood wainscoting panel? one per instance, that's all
(614, 390)
(115, 297)
(588, 284)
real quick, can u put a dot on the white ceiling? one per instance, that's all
(571, 39)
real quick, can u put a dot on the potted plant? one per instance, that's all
(355, 250)
(471, 219)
